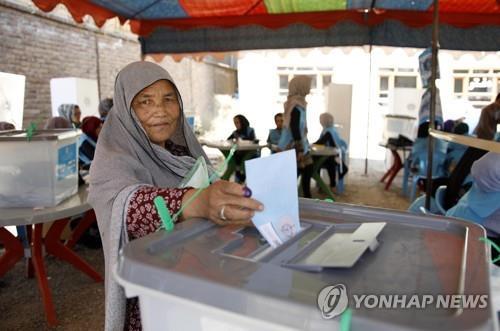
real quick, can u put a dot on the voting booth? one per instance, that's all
(40, 171)
(205, 277)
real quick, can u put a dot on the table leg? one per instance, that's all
(318, 162)
(391, 169)
(41, 275)
(88, 219)
(397, 165)
(54, 246)
(13, 251)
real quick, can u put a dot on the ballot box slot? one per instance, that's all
(249, 244)
(340, 246)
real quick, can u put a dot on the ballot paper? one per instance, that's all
(273, 181)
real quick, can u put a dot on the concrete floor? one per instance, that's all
(79, 301)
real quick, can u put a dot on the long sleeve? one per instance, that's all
(142, 218)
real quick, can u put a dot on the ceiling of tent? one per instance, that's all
(179, 26)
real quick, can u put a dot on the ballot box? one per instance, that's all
(393, 271)
(40, 171)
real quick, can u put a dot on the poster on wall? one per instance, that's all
(12, 98)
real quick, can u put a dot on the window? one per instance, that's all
(384, 83)
(320, 78)
(459, 85)
(478, 86)
(327, 79)
(405, 81)
(283, 81)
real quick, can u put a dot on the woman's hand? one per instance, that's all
(223, 202)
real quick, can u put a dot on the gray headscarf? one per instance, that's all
(125, 159)
(66, 110)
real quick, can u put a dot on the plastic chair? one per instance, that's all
(439, 197)
(437, 163)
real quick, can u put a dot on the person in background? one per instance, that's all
(275, 134)
(294, 134)
(144, 151)
(243, 129)
(481, 204)
(58, 122)
(5, 126)
(448, 126)
(243, 132)
(104, 107)
(418, 157)
(72, 113)
(455, 150)
(91, 126)
(458, 182)
(331, 138)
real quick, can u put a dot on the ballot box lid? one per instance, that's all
(234, 269)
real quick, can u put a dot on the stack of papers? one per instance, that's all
(273, 181)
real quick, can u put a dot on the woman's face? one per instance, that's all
(76, 115)
(237, 123)
(158, 110)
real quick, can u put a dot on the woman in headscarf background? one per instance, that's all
(481, 204)
(91, 127)
(330, 137)
(243, 132)
(72, 113)
(145, 149)
(275, 134)
(104, 107)
(294, 133)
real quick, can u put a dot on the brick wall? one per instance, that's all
(42, 48)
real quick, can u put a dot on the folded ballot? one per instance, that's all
(273, 181)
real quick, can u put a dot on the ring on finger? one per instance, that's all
(222, 216)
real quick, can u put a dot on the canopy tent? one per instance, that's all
(182, 26)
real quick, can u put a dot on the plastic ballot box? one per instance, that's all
(40, 171)
(392, 270)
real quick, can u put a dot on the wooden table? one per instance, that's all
(224, 146)
(33, 219)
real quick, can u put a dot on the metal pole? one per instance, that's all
(432, 113)
(369, 109)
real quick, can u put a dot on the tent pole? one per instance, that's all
(432, 113)
(369, 109)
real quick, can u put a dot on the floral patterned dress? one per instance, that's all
(142, 219)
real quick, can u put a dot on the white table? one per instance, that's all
(34, 219)
(249, 147)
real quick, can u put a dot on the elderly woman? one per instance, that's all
(145, 149)
(294, 133)
(72, 113)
